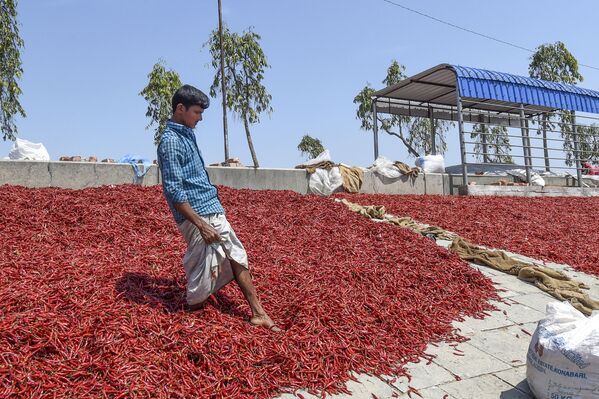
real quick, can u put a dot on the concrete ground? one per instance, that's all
(491, 365)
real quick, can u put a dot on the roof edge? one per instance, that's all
(389, 89)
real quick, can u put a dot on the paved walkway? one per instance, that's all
(493, 364)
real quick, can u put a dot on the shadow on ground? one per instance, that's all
(168, 294)
(519, 392)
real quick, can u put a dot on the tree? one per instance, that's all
(565, 127)
(588, 137)
(492, 144)
(245, 64)
(420, 134)
(162, 85)
(413, 132)
(395, 74)
(553, 62)
(11, 69)
(310, 147)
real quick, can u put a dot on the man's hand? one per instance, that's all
(209, 234)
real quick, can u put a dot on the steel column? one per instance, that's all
(576, 149)
(528, 146)
(462, 141)
(375, 129)
(433, 141)
(525, 148)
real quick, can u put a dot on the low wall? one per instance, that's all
(260, 179)
(298, 180)
(78, 175)
(72, 174)
(532, 191)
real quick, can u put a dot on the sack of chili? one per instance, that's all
(563, 356)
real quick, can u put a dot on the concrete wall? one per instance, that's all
(298, 180)
(432, 183)
(71, 174)
(85, 174)
(532, 191)
(260, 179)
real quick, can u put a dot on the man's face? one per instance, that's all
(190, 116)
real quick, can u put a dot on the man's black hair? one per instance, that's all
(188, 96)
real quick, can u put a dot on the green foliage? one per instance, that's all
(395, 74)
(11, 70)
(588, 139)
(418, 136)
(310, 147)
(364, 111)
(553, 62)
(245, 64)
(162, 85)
(497, 145)
(565, 127)
(589, 143)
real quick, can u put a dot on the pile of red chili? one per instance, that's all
(556, 229)
(92, 291)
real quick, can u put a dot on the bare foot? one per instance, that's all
(264, 321)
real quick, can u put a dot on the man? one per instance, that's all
(214, 256)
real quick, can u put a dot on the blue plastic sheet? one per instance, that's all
(140, 164)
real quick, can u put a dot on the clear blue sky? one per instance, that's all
(86, 61)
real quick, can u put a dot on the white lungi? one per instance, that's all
(207, 267)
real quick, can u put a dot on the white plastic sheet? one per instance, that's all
(322, 157)
(431, 163)
(26, 150)
(324, 182)
(563, 356)
(385, 167)
(535, 178)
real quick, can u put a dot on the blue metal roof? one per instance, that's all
(484, 84)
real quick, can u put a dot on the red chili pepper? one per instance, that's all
(412, 390)
(540, 227)
(92, 291)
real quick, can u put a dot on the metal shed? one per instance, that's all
(471, 95)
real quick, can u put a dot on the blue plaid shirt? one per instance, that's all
(184, 176)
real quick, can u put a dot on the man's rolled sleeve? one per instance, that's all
(170, 157)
